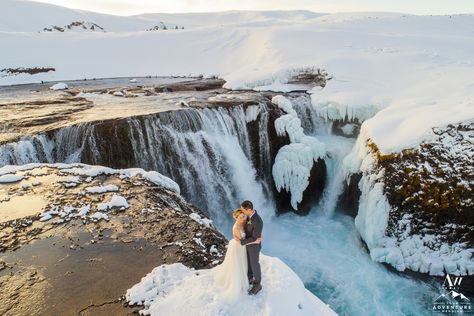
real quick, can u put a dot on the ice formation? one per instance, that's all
(293, 163)
(252, 112)
(337, 111)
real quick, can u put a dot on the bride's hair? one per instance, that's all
(236, 213)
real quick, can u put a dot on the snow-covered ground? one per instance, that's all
(164, 290)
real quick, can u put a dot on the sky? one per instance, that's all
(130, 7)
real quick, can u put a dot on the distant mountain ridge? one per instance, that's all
(29, 16)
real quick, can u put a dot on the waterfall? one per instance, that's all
(64, 145)
(218, 156)
(207, 152)
(324, 247)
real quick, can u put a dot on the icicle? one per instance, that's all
(294, 162)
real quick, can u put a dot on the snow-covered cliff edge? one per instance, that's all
(416, 207)
(178, 290)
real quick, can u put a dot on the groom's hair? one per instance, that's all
(247, 205)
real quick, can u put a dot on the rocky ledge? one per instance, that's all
(416, 207)
(89, 233)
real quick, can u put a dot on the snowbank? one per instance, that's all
(177, 290)
(59, 86)
(293, 162)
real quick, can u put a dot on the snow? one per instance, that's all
(59, 86)
(117, 201)
(83, 211)
(293, 163)
(336, 111)
(8, 178)
(79, 169)
(88, 171)
(284, 104)
(201, 220)
(66, 212)
(153, 176)
(97, 216)
(387, 69)
(102, 188)
(163, 291)
(425, 254)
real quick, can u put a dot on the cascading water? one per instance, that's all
(212, 159)
(210, 154)
(325, 249)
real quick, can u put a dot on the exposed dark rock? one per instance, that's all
(24, 70)
(310, 75)
(346, 128)
(195, 85)
(348, 201)
(76, 25)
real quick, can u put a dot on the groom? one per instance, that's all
(253, 231)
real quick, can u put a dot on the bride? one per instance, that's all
(231, 276)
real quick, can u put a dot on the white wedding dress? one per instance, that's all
(231, 275)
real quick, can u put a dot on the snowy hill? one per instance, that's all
(27, 16)
(401, 66)
(163, 291)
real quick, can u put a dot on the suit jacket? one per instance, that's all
(253, 230)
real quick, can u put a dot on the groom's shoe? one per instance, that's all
(257, 287)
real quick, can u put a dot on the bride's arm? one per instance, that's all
(258, 241)
(236, 234)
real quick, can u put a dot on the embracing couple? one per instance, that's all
(240, 272)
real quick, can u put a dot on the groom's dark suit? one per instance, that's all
(253, 230)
